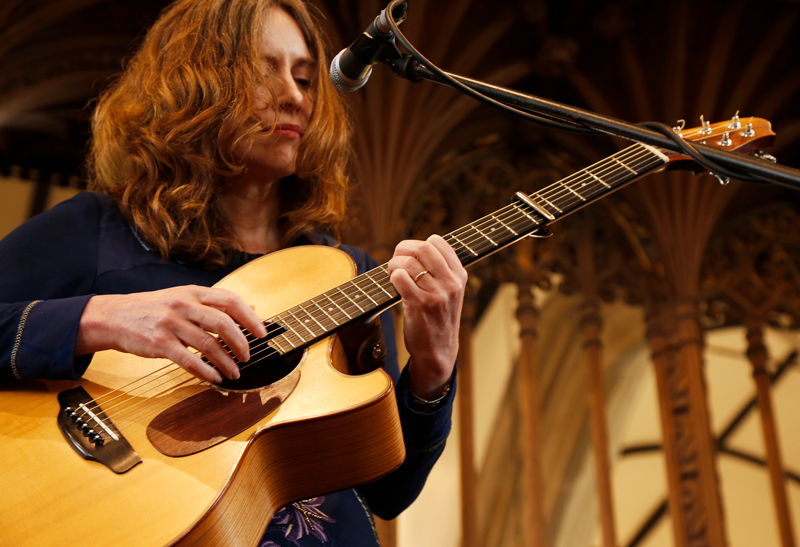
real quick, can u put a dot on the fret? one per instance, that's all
(623, 165)
(285, 336)
(351, 300)
(380, 286)
(355, 284)
(463, 244)
(332, 301)
(274, 341)
(540, 196)
(304, 323)
(601, 181)
(571, 190)
(524, 212)
(506, 226)
(326, 314)
(288, 326)
(484, 235)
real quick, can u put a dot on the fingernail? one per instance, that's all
(235, 374)
(217, 378)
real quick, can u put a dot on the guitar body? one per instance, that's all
(331, 432)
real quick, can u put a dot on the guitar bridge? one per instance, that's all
(91, 433)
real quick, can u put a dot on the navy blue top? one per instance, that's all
(51, 266)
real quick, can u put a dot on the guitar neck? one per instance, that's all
(372, 292)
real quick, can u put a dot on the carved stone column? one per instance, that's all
(757, 353)
(530, 409)
(672, 395)
(592, 327)
(689, 446)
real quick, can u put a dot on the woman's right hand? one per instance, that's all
(166, 323)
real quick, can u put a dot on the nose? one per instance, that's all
(287, 92)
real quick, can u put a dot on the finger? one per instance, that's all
(191, 362)
(212, 320)
(210, 347)
(234, 306)
(447, 252)
(404, 284)
(405, 262)
(426, 254)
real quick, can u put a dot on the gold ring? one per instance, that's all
(420, 274)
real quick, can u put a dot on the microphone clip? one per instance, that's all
(352, 67)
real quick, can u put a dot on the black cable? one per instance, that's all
(697, 156)
(564, 125)
(568, 125)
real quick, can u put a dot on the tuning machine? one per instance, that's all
(724, 181)
(706, 128)
(735, 123)
(760, 154)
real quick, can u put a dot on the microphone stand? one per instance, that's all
(407, 67)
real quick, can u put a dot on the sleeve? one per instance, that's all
(424, 432)
(47, 271)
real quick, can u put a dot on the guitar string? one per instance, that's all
(552, 194)
(547, 193)
(469, 245)
(552, 197)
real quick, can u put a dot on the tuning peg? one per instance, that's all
(735, 123)
(726, 139)
(760, 154)
(706, 129)
(679, 128)
(724, 181)
(748, 130)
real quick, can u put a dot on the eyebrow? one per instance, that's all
(302, 62)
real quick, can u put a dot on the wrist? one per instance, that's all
(427, 405)
(91, 327)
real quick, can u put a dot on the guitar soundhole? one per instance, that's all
(266, 365)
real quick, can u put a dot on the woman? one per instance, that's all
(223, 140)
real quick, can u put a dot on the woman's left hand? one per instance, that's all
(431, 309)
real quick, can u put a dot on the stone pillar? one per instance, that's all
(530, 420)
(689, 446)
(757, 353)
(592, 326)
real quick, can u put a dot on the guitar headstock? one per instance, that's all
(744, 135)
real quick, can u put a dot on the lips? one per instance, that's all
(289, 130)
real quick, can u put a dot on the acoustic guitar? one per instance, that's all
(140, 453)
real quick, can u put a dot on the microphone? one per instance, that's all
(351, 68)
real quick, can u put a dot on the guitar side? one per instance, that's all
(333, 432)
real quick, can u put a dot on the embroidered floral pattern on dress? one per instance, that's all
(300, 519)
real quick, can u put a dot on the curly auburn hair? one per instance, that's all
(164, 133)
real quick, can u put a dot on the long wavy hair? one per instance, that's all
(164, 133)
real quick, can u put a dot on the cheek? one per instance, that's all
(263, 99)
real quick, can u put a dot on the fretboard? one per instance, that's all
(372, 292)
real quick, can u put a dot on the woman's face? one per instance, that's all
(291, 70)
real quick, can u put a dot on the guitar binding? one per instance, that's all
(91, 434)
